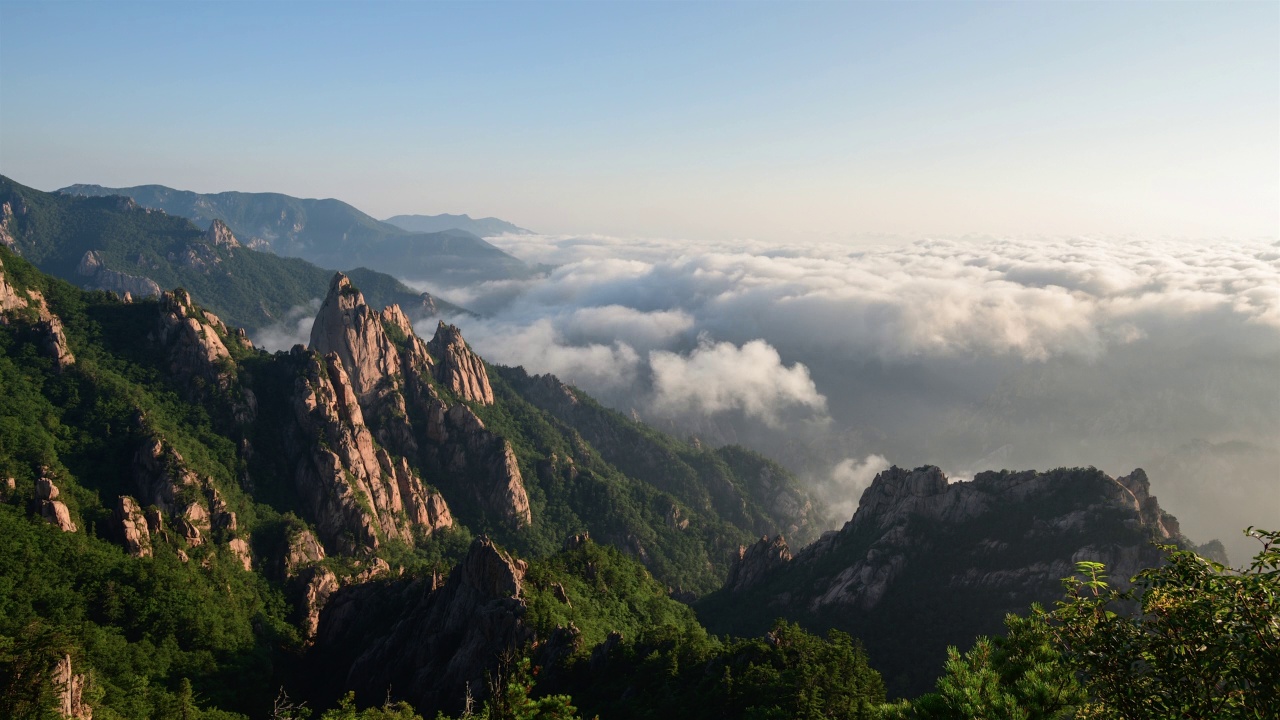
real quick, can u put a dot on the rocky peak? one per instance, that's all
(444, 641)
(754, 563)
(219, 234)
(459, 369)
(492, 572)
(988, 547)
(897, 493)
(193, 341)
(347, 327)
(1137, 488)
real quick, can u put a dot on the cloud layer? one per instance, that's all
(1028, 352)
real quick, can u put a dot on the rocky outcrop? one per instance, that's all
(30, 305)
(925, 562)
(379, 375)
(355, 493)
(195, 343)
(302, 549)
(219, 235)
(131, 527)
(10, 300)
(70, 691)
(239, 548)
(164, 480)
(317, 585)
(192, 503)
(444, 641)
(98, 276)
(754, 563)
(459, 369)
(8, 210)
(49, 507)
(348, 327)
(53, 341)
(487, 462)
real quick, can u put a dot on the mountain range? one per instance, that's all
(192, 525)
(330, 233)
(112, 243)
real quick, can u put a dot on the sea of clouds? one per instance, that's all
(972, 354)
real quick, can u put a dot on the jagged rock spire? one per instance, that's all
(347, 327)
(459, 369)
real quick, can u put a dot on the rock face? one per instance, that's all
(444, 640)
(93, 268)
(926, 563)
(465, 448)
(755, 562)
(10, 300)
(9, 210)
(132, 528)
(29, 305)
(70, 687)
(367, 413)
(347, 327)
(49, 507)
(459, 369)
(355, 493)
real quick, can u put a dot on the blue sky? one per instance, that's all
(710, 120)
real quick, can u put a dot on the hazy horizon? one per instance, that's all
(705, 121)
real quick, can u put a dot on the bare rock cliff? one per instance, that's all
(356, 494)
(93, 268)
(380, 377)
(459, 369)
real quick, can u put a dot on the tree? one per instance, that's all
(1206, 643)
(1190, 639)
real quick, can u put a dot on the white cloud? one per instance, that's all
(719, 377)
(842, 490)
(293, 329)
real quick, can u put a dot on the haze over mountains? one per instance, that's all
(484, 227)
(331, 233)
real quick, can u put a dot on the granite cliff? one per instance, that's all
(926, 562)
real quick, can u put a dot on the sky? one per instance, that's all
(784, 122)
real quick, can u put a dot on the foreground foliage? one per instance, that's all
(1204, 643)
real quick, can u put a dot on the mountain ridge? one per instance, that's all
(329, 232)
(484, 227)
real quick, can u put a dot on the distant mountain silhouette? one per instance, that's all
(484, 227)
